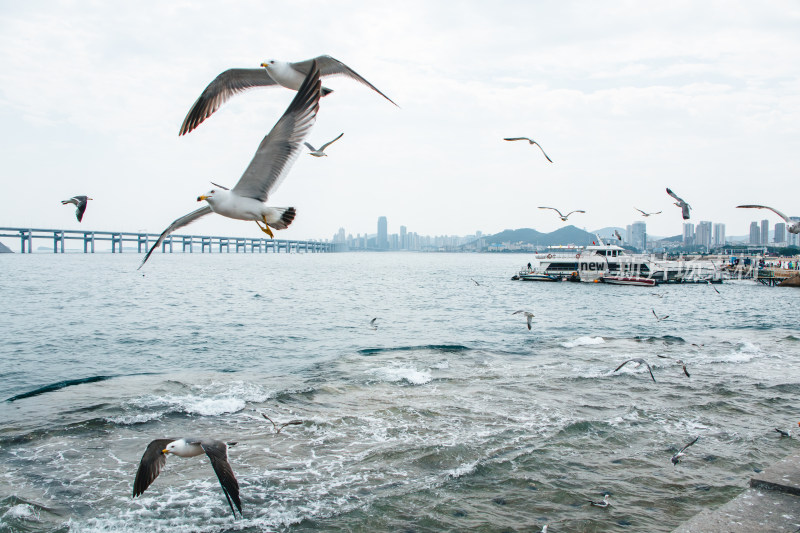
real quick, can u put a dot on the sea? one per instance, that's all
(448, 415)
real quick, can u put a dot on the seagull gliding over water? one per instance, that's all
(155, 458)
(530, 141)
(647, 214)
(283, 73)
(639, 361)
(270, 165)
(527, 314)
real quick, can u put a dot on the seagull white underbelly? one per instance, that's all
(286, 76)
(242, 208)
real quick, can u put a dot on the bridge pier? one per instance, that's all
(187, 241)
(142, 239)
(205, 241)
(88, 238)
(240, 243)
(164, 243)
(253, 244)
(224, 242)
(58, 238)
(116, 238)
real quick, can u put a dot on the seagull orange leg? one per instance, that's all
(265, 229)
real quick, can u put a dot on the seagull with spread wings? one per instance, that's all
(530, 141)
(155, 458)
(273, 73)
(680, 203)
(321, 151)
(792, 223)
(528, 315)
(682, 452)
(639, 362)
(269, 167)
(80, 204)
(647, 214)
(562, 216)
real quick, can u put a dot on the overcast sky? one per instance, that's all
(627, 98)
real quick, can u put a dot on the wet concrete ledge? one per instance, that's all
(772, 503)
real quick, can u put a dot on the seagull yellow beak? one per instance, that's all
(264, 65)
(165, 450)
(201, 198)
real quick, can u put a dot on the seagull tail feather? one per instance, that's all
(287, 216)
(325, 91)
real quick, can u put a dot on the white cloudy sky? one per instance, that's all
(626, 97)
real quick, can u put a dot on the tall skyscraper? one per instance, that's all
(719, 234)
(688, 234)
(403, 238)
(764, 232)
(780, 232)
(639, 235)
(703, 235)
(383, 234)
(792, 239)
(755, 233)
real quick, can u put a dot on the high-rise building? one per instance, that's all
(780, 232)
(688, 234)
(383, 234)
(702, 235)
(792, 239)
(764, 232)
(755, 233)
(404, 238)
(628, 234)
(639, 235)
(719, 234)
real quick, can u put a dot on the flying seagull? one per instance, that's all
(639, 362)
(562, 216)
(155, 458)
(783, 433)
(604, 503)
(321, 151)
(679, 361)
(278, 428)
(80, 202)
(792, 223)
(528, 314)
(677, 457)
(372, 323)
(530, 141)
(647, 214)
(680, 203)
(659, 318)
(617, 235)
(289, 75)
(270, 165)
(475, 282)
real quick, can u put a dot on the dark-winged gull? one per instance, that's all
(475, 282)
(659, 318)
(783, 433)
(372, 323)
(270, 165)
(80, 204)
(530, 141)
(321, 151)
(677, 457)
(792, 223)
(680, 203)
(155, 458)
(562, 216)
(639, 361)
(647, 214)
(679, 361)
(604, 503)
(278, 428)
(617, 235)
(527, 314)
(273, 73)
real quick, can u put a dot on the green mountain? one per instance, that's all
(566, 235)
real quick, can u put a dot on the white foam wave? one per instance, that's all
(583, 341)
(410, 375)
(463, 470)
(22, 511)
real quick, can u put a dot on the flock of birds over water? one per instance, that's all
(247, 201)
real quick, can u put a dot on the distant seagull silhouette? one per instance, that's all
(792, 223)
(562, 216)
(372, 323)
(680, 203)
(677, 457)
(657, 294)
(639, 361)
(659, 318)
(278, 428)
(321, 151)
(155, 458)
(617, 235)
(528, 314)
(783, 433)
(604, 503)
(680, 362)
(475, 282)
(80, 202)
(713, 287)
(530, 141)
(647, 214)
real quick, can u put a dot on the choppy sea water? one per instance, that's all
(450, 416)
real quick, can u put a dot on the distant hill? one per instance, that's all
(5, 249)
(608, 233)
(566, 235)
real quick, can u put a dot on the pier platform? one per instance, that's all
(772, 503)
